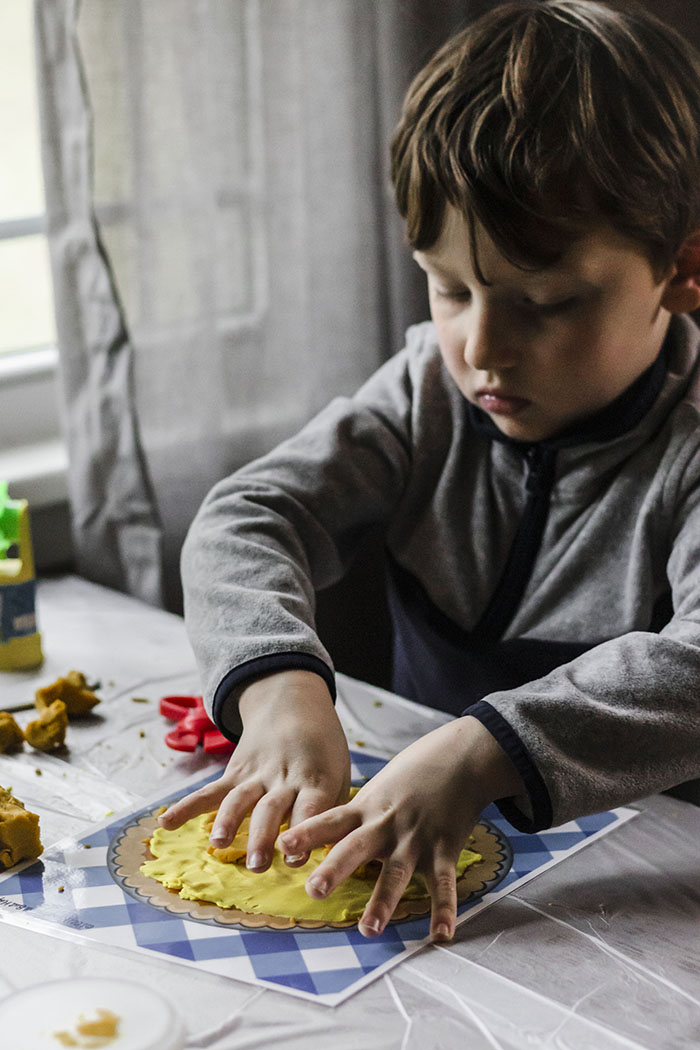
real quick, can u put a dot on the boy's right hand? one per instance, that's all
(292, 761)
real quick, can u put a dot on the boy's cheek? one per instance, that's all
(452, 351)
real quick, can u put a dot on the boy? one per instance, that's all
(533, 457)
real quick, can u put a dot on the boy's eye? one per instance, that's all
(455, 295)
(546, 309)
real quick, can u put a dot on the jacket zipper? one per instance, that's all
(505, 600)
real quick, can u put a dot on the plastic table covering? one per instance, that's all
(598, 952)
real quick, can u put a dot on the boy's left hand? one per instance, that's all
(414, 815)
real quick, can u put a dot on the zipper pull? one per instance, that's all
(540, 468)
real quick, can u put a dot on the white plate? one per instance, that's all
(31, 1019)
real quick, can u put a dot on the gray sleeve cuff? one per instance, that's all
(538, 800)
(225, 708)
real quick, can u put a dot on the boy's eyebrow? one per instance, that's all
(536, 275)
(434, 266)
(428, 264)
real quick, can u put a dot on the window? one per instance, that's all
(32, 457)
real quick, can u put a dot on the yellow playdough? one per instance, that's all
(73, 690)
(19, 831)
(48, 731)
(185, 861)
(11, 736)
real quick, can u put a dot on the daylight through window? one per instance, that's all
(26, 313)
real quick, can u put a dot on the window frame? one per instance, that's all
(32, 449)
(33, 455)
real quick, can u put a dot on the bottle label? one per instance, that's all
(17, 610)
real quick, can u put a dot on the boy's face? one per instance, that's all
(540, 350)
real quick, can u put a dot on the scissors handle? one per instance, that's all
(193, 726)
(176, 707)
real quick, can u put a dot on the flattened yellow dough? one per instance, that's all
(184, 861)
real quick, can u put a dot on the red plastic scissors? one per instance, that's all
(194, 726)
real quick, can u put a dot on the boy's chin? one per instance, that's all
(522, 429)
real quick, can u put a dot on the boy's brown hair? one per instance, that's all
(545, 118)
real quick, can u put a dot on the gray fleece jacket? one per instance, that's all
(550, 590)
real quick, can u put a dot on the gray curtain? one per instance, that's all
(225, 252)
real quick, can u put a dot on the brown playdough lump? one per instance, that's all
(72, 690)
(19, 831)
(48, 731)
(11, 737)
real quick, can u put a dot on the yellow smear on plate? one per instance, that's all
(91, 1034)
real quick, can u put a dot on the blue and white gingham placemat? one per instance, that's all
(70, 890)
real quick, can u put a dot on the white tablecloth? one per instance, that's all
(599, 952)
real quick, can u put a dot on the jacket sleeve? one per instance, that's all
(287, 525)
(623, 720)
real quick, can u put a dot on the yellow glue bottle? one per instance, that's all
(20, 642)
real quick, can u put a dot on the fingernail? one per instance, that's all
(218, 838)
(319, 886)
(371, 925)
(442, 932)
(255, 860)
(294, 860)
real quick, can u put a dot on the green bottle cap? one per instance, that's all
(9, 520)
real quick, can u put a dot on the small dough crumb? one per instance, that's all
(72, 690)
(19, 831)
(48, 731)
(11, 737)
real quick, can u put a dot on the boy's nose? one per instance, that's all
(489, 340)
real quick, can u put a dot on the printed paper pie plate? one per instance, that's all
(128, 851)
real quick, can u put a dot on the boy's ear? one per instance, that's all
(683, 289)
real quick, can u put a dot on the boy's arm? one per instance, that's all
(263, 542)
(269, 536)
(623, 720)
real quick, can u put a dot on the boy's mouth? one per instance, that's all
(497, 403)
